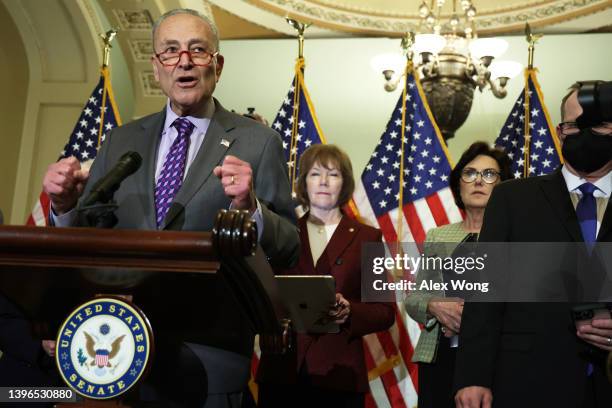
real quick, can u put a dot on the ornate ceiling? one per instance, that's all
(340, 18)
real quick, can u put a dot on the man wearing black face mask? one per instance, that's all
(532, 354)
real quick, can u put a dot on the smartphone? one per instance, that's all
(585, 314)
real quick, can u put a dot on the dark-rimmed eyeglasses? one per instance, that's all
(571, 128)
(489, 176)
(198, 57)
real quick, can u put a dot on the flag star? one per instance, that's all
(444, 177)
(417, 179)
(75, 147)
(380, 172)
(420, 166)
(436, 159)
(522, 118)
(98, 119)
(290, 164)
(514, 114)
(287, 132)
(374, 154)
(413, 191)
(417, 136)
(538, 144)
(511, 156)
(411, 85)
(89, 142)
(393, 134)
(542, 131)
(534, 157)
(282, 113)
(375, 185)
(383, 204)
(432, 171)
(384, 159)
(88, 112)
(63, 153)
(92, 100)
(514, 143)
(510, 126)
(292, 89)
(428, 141)
(408, 97)
(387, 191)
(397, 197)
(535, 112)
(413, 148)
(93, 131)
(530, 92)
(420, 123)
(389, 146)
(429, 184)
(531, 170)
(108, 126)
(505, 138)
(277, 125)
(550, 150)
(286, 101)
(425, 153)
(103, 137)
(520, 162)
(291, 119)
(546, 163)
(298, 137)
(414, 106)
(391, 178)
(308, 142)
(408, 127)
(398, 122)
(285, 145)
(301, 124)
(369, 166)
(517, 174)
(294, 150)
(407, 172)
(79, 134)
(83, 123)
(531, 125)
(396, 165)
(85, 155)
(523, 150)
(410, 159)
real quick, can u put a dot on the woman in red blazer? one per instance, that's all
(327, 369)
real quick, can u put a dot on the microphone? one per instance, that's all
(104, 189)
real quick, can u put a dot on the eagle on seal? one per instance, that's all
(101, 357)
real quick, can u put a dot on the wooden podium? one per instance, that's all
(48, 272)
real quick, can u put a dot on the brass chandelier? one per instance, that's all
(452, 61)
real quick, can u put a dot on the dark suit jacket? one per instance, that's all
(334, 361)
(199, 308)
(527, 353)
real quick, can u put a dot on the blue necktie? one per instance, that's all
(586, 211)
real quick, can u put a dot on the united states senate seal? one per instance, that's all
(103, 348)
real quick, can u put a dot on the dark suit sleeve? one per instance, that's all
(481, 323)
(369, 318)
(280, 240)
(16, 338)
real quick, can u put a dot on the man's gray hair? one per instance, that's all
(196, 13)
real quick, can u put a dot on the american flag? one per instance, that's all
(530, 117)
(98, 117)
(297, 123)
(410, 163)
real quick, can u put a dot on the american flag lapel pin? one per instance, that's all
(225, 142)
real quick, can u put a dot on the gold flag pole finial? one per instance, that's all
(300, 28)
(532, 39)
(108, 37)
(407, 43)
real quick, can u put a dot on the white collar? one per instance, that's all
(604, 184)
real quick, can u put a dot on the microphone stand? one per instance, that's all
(100, 215)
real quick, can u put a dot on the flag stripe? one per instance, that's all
(437, 210)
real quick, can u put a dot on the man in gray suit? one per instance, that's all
(197, 158)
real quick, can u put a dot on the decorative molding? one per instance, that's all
(141, 49)
(150, 87)
(134, 19)
(348, 18)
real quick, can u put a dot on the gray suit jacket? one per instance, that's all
(201, 195)
(200, 307)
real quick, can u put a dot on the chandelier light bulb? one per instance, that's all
(465, 4)
(471, 12)
(487, 47)
(454, 21)
(430, 19)
(505, 69)
(423, 10)
(428, 43)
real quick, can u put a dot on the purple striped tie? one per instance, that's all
(171, 176)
